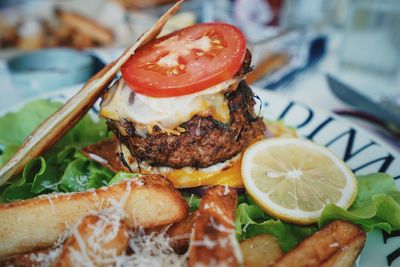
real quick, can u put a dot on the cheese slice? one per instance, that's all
(189, 177)
(167, 113)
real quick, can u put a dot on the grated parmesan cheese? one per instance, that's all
(97, 158)
(334, 245)
(226, 190)
(45, 259)
(245, 227)
(220, 227)
(151, 250)
(216, 208)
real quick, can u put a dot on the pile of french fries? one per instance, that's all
(67, 29)
(96, 228)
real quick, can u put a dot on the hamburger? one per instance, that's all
(182, 107)
(213, 92)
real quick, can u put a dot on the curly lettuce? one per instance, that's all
(62, 169)
(377, 205)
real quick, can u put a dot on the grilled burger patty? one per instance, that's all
(205, 140)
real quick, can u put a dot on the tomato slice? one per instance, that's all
(186, 61)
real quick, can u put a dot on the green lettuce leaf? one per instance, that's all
(67, 171)
(17, 192)
(377, 205)
(43, 175)
(251, 220)
(192, 200)
(119, 176)
(21, 123)
(63, 168)
(6, 152)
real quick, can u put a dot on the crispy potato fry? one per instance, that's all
(260, 251)
(88, 27)
(148, 201)
(337, 244)
(81, 41)
(180, 232)
(213, 241)
(347, 256)
(96, 241)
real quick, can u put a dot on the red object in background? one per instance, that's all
(255, 17)
(276, 8)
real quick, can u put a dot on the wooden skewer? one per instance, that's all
(51, 130)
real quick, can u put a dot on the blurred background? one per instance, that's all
(342, 56)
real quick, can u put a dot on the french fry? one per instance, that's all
(213, 241)
(86, 26)
(337, 244)
(180, 233)
(260, 251)
(148, 201)
(81, 41)
(96, 241)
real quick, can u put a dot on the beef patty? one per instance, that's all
(205, 140)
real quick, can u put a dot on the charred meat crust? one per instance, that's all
(205, 141)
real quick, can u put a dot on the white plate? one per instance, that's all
(361, 151)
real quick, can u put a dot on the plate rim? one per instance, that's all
(384, 144)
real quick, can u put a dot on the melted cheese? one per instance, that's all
(167, 113)
(189, 177)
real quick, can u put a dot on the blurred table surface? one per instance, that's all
(310, 88)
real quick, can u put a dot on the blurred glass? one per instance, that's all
(303, 13)
(372, 37)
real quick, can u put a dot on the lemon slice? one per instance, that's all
(294, 179)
